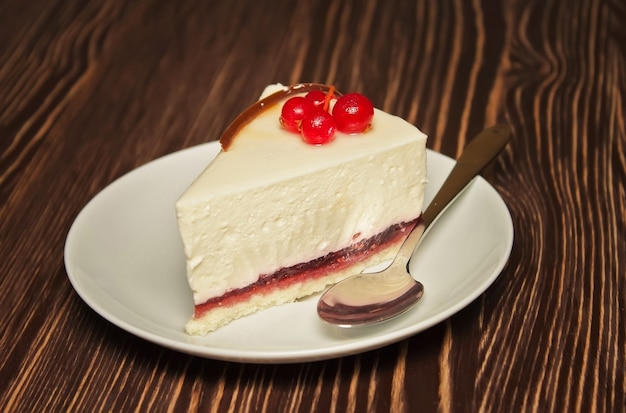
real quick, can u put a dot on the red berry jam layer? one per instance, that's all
(318, 268)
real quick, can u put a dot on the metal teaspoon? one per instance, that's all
(370, 298)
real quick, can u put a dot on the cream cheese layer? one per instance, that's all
(272, 201)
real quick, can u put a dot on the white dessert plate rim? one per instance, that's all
(124, 258)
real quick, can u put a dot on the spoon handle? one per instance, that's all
(479, 153)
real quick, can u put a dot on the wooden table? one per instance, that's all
(91, 90)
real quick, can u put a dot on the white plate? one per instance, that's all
(124, 257)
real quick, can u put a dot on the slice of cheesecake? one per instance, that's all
(273, 219)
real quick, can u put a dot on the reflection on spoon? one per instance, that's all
(375, 297)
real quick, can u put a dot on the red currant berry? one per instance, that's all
(317, 97)
(318, 127)
(353, 113)
(293, 112)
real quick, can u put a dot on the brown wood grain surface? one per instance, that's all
(91, 90)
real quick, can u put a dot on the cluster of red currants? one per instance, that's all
(309, 115)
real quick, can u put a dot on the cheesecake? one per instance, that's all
(274, 218)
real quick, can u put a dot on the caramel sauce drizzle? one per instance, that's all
(257, 108)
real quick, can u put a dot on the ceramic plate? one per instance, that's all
(125, 259)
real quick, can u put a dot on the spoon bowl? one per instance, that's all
(370, 298)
